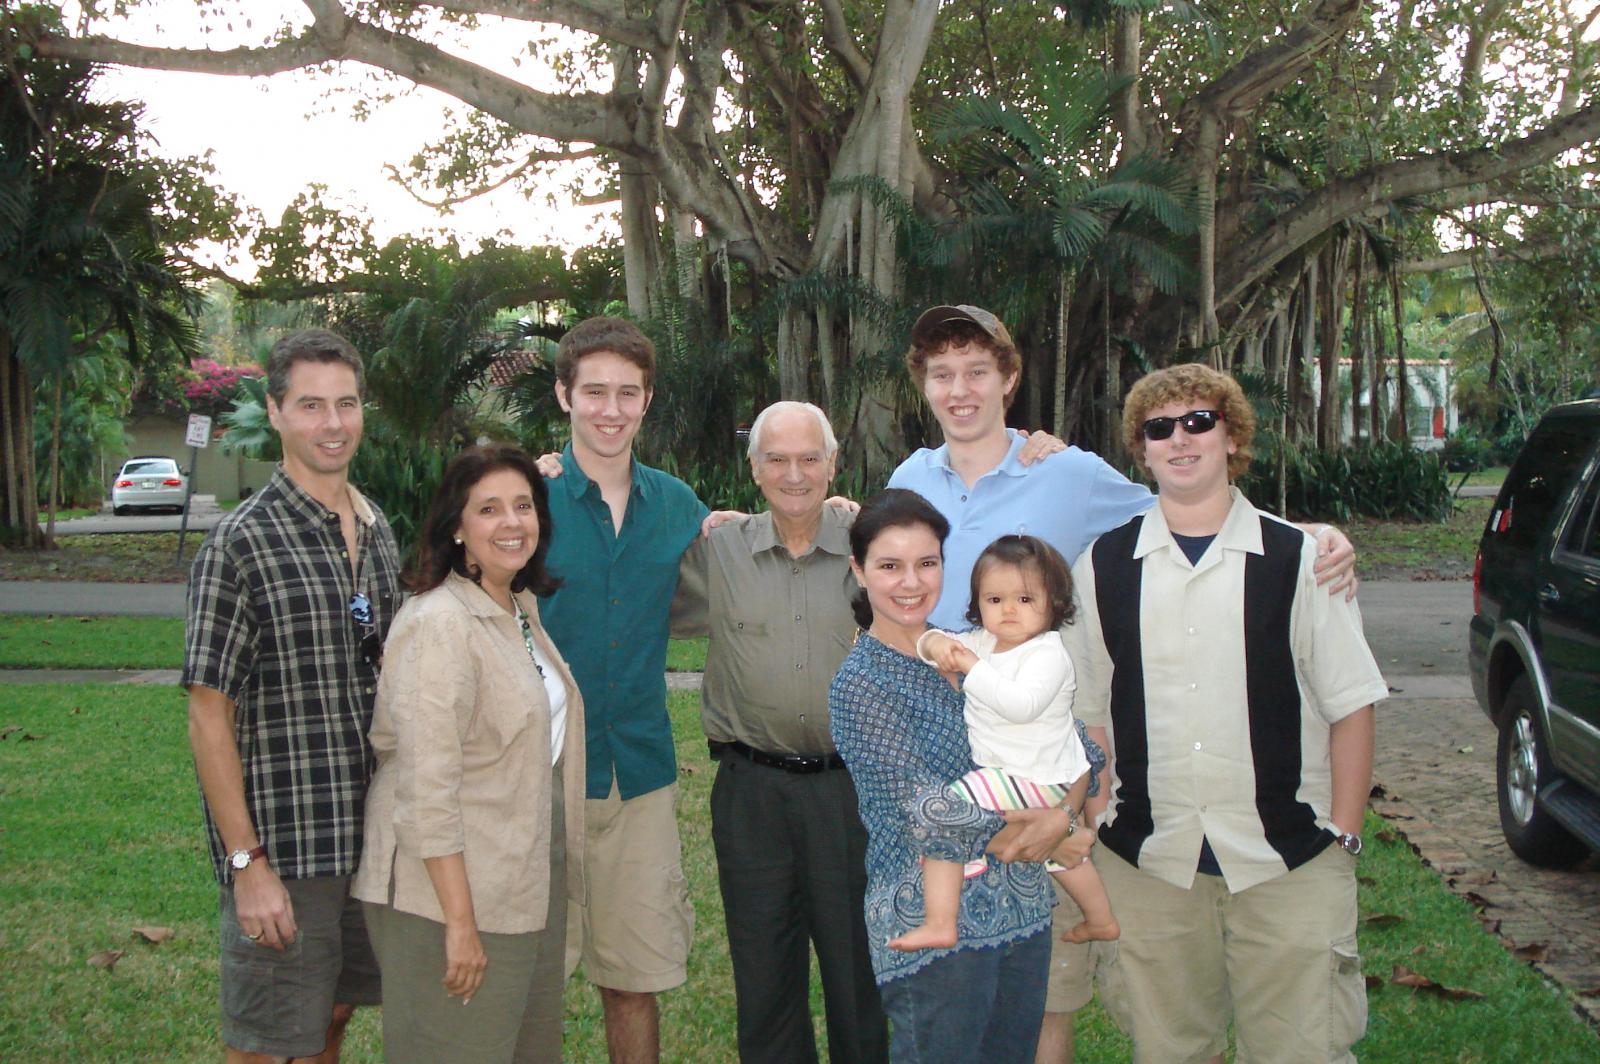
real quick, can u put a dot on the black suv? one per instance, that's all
(1535, 638)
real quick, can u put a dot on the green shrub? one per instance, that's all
(400, 474)
(1384, 480)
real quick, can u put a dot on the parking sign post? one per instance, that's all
(196, 436)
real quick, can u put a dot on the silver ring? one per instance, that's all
(256, 937)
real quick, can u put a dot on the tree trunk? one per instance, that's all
(1331, 304)
(1378, 416)
(1126, 110)
(53, 500)
(1064, 286)
(693, 282)
(796, 334)
(641, 239)
(1358, 351)
(1497, 333)
(1402, 386)
(1278, 350)
(16, 414)
(1206, 209)
(1304, 356)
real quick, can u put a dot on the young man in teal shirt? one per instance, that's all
(618, 531)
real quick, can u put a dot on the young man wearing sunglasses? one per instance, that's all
(968, 368)
(1239, 784)
(289, 600)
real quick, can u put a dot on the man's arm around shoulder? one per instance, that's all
(260, 899)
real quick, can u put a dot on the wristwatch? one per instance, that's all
(1350, 844)
(239, 860)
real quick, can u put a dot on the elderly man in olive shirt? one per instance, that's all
(773, 593)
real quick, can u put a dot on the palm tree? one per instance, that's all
(81, 257)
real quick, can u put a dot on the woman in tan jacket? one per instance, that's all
(474, 822)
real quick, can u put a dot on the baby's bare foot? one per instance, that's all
(1087, 932)
(925, 937)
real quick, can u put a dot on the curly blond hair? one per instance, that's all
(1201, 387)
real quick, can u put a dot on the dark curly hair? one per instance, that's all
(890, 508)
(1032, 555)
(438, 553)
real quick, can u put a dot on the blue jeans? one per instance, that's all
(975, 1005)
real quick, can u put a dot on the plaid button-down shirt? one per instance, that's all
(269, 625)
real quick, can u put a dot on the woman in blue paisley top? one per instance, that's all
(897, 722)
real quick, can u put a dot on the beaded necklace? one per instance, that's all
(527, 636)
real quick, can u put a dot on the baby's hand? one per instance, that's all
(937, 648)
(949, 655)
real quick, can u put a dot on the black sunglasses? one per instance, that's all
(361, 613)
(1194, 423)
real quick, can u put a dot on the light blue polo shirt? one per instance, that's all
(1066, 500)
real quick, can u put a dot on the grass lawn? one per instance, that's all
(99, 833)
(1397, 550)
(28, 642)
(90, 642)
(1493, 476)
(122, 558)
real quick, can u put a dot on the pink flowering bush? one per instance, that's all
(210, 391)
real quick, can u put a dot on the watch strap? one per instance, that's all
(250, 855)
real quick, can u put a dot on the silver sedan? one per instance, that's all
(148, 482)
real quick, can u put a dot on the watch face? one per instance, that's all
(239, 859)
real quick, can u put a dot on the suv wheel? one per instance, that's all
(1523, 766)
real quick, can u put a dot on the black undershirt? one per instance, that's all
(1194, 548)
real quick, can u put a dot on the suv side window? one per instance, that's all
(1538, 481)
(1583, 537)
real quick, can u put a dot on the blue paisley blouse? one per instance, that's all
(898, 725)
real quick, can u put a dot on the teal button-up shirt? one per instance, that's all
(609, 617)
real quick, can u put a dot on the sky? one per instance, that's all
(270, 137)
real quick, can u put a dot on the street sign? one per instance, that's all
(199, 432)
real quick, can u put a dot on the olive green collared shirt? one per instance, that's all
(779, 627)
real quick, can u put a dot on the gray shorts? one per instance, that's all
(280, 1003)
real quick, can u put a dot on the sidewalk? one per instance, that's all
(91, 600)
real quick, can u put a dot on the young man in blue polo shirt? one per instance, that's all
(618, 531)
(968, 367)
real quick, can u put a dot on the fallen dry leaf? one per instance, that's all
(107, 958)
(1385, 836)
(1593, 991)
(1374, 982)
(1378, 791)
(154, 935)
(1465, 749)
(1404, 976)
(1366, 881)
(1383, 920)
(1477, 899)
(1418, 951)
(29, 737)
(5, 733)
(1536, 952)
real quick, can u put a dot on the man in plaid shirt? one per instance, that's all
(289, 599)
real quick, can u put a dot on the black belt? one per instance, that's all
(798, 763)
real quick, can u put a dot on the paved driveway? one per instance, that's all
(1436, 764)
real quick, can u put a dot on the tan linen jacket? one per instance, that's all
(462, 737)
